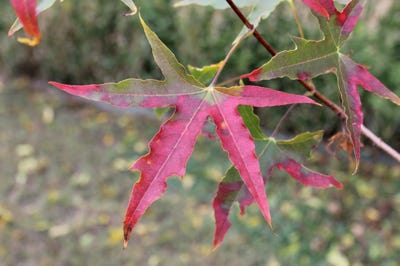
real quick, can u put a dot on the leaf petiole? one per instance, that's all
(228, 55)
(296, 17)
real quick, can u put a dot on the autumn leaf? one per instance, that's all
(170, 148)
(287, 155)
(42, 6)
(313, 58)
(260, 9)
(26, 13)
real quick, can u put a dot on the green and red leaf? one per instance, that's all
(171, 147)
(286, 155)
(313, 58)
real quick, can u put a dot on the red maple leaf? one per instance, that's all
(170, 148)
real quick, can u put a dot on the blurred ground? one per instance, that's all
(64, 189)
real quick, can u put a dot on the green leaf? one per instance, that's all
(161, 111)
(204, 74)
(251, 120)
(287, 155)
(312, 58)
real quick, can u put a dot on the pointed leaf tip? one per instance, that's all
(42, 6)
(85, 91)
(316, 6)
(26, 13)
(127, 230)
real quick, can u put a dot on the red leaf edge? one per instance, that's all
(26, 12)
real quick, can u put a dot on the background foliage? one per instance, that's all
(56, 208)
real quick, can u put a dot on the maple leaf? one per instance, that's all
(313, 58)
(286, 155)
(194, 102)
(26, 13)
(260, 9)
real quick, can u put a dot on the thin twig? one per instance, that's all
(229, 54)
(296, 17)
(250, 26)
(229, 81)
(309, 87)
(380, 143)
(283, 118)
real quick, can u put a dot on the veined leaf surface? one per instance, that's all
(170, 148)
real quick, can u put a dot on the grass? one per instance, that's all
(65, 186)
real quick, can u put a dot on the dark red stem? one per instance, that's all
(256, 34)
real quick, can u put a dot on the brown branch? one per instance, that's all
(309, 87)
(256, 34)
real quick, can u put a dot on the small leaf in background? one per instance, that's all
(26, 13)
(313, 58)
(204, 74)
(251, 120)
(131, 6)
(260, 9)
(340, 141)
(287, 155)
(194, 103)
(42, 6)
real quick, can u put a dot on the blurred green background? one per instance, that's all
(63, 162)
